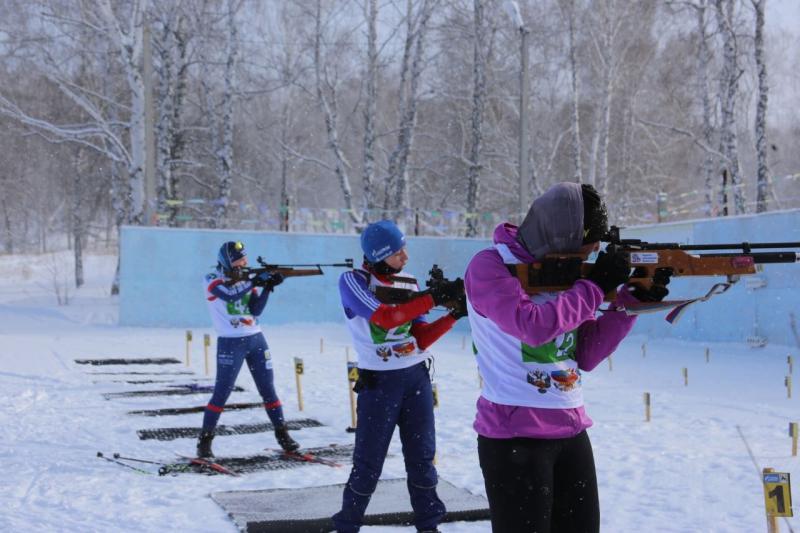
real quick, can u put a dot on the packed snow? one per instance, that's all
(687, 470)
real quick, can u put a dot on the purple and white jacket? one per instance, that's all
(531, 350)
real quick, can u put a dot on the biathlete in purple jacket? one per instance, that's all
(534, 451)
(235, 308)
(394, 387)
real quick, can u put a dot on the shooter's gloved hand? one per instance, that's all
(269, 280)
(657, 291)
(459, 308)
(447, 291)
(610, 271)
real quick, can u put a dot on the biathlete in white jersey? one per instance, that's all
(235, 307)
(394, 386)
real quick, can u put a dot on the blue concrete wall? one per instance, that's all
(741, 312)
(162, 272)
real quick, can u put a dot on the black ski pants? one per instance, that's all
(540, 485)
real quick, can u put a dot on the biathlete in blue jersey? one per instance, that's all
(394, 387)
(235, 308)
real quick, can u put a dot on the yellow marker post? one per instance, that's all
(788, 382)
(708, 354)
(793, 433)
(789, 362)
(777, 497)
(298, 371)
(188, 345)
(435, 389)
(352, 377)
(647, 407)
(685, 377)
(206, 344)
(644, 350)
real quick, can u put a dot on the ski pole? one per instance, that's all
(141, 471)
(122, 457)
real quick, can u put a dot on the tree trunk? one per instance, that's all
(476, 123)
(763, 178)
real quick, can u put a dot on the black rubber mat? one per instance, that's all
(165, 392)
(274, 461)
(130, 373)
(142, 381)
(239, 429)
(275, 510)
(194, 409)
(95, 362)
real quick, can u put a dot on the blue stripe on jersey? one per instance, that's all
(231, 294)
(357, 299)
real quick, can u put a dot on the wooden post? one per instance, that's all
(793, 433)
(352, 377)
(644, 350)
(298, 371)
(772, 520)
(788, 382)
(206, 344)
(708, 354)
(435, 389)
(188, 345)
(685, 377)
(789, 362)
(647, 407)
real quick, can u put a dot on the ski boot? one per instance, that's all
(204, 445)
(286, 442)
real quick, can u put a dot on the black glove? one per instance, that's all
(269, 280)
(459, 308)
(610, 271)
(658, 290)
(447, 291)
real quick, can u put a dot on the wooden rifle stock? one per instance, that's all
(287, 271)
(652, 261)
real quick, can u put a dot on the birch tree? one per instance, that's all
(762, 169)
(476, 119)
(729, 86)
(326, 87)
(411, 69)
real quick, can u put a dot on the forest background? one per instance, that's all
(448, 116)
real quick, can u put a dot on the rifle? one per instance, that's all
(287, 271)
(397, 295)
(652, 262)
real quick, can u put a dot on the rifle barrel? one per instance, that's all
(730, 246)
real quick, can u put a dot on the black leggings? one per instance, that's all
(540, 485)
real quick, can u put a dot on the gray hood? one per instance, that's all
(554, 222)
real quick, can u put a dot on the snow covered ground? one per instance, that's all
(687, 470)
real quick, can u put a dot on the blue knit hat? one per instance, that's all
(381, 239)
(229, 253)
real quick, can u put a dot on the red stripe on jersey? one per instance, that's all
(214, 283)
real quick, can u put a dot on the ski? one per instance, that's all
(305, 456)
(205, 463)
